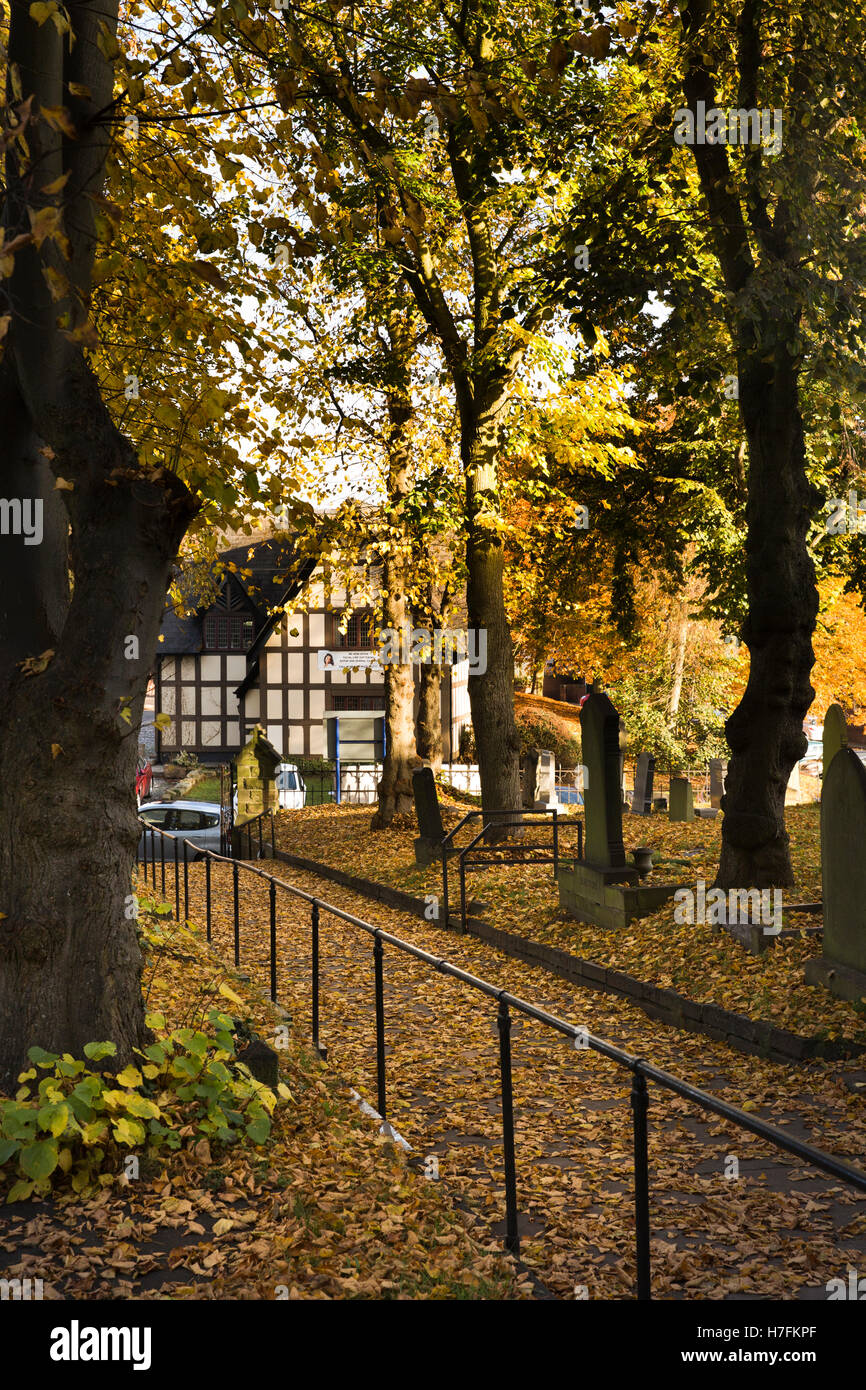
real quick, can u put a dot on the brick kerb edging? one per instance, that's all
(756, 1037)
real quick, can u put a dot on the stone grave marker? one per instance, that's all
(835, 734)
(599, 730)
(642, 799)
(718, 772)
(429, 815)
(842, 967)
(682, 801)
(604, 888)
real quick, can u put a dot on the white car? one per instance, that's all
(291, 789)
(196, 821)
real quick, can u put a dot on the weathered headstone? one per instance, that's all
(599, 732)
(539, 778)
(718, 771)
(429, 816)
(604, 888)
(682, 801)
(642, 799)
(835, 734)
(842, 967)
(545, 782)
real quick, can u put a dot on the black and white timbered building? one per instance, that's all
(244, 660)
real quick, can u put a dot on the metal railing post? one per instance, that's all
(143, 851)
(261, 817)
(378, 953)
(503, 1022)
(273, 907)
(640, 1106)
(186, 880)
(273, 838)
(176, 882)
(235, 871)
(555, 843)
(445, 883)
(314, 923)
(207, 894)
(162, 857)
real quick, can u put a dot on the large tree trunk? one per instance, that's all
(395, 786)
(72, 680)
(428, 726)
(765, 732)
(491, 692)
(69, 958)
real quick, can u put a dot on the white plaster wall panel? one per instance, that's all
(211, 700)
(210, 668)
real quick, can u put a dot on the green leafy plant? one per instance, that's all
(75, 1123)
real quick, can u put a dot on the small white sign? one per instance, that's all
(350, 661)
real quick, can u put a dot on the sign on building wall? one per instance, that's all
(350, 661)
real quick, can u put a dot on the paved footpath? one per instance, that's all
(732, 1217)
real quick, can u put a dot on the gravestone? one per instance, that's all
(428, 842)
(842, 967)
(642, 800)
(599, 733)
(835, 734)
(604, 888)
(545, 780)
(682, 801)
(718, 771)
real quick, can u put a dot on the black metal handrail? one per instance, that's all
(248, 827)
(518, 854)
(446, 843)
(641, 1071)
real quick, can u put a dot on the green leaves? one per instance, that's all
(39, 1160)
(202, 1092)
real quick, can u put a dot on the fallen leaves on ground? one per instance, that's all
(706, 966)
(327, 1209)
(777, 1230)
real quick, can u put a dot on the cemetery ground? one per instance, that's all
(324, 1209)
(703, 965)
(731, 1216)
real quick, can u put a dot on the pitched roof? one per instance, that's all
(267, 573)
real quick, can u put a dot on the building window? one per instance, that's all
(224, 632)
(359, 632)
(371, 702)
